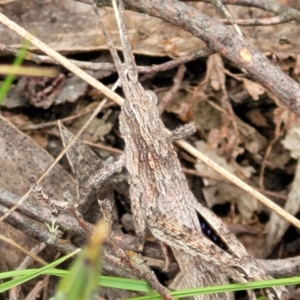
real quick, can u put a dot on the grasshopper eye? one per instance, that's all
(128, 110)
(151, 96)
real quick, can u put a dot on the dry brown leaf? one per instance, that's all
(254, 89)
(215, 72)
(257, 118)
(296, 71)
(185, 112)
(291, 141)
(69, 27)
(252, 140)
(40, 138)
(213, 138)
(218, 192)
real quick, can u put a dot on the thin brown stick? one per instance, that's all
(36, 290)
(91, 144)
(226, 12)
(25, 264)
(63, 120)
(258, 22)
(277, 134)
(219, 179)
(21, 248)
(173, 90)
(18, 221)
(193, 55)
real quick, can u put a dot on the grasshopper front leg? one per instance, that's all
(97, 179)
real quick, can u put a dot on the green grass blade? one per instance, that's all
(225, 288)
(106, 281)
(81, 283)
(143, 286)
(32, 274)
(10, 77)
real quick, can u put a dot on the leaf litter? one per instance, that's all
(236, 118)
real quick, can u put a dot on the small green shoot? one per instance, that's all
(82, 281)
(11, 76)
